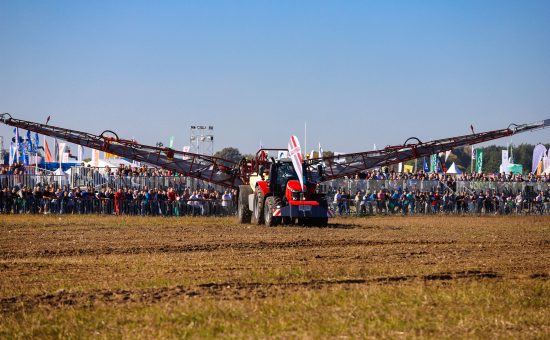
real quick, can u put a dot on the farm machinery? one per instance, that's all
(271, 190)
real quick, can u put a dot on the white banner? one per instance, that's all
(504, 157)
(504, 161)
(295, 154)
(80, 154)
(538, 153)
(65, 158)
(95, 158)
(61, 152)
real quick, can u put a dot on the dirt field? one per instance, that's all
(205, 277)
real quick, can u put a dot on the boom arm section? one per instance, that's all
(207, 168)
(350, 164)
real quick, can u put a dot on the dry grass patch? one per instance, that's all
(91, 276)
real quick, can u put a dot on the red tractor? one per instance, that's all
(276, 196)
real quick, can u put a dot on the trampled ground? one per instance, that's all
(110, 277)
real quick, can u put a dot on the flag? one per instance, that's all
(425, 167)
(479, 161)
(61, 151)
(47, 151)
(504, 161)
(320, 151)
(400, 167)
(29, 142)
(539, 169)
(16, 156)
(473, 153)
(56, 151)
(311, 154)
(36, 141)
(12, 154)
(447, 153)
(171, 142)
(433, 163)
(95, 158)
(538, 152)
(374, 147)
(25, 153)
(80, 154)
(408, 168)
(443, 167)
(296, 155)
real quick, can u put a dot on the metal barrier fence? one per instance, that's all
(104, 206)
(97, 180)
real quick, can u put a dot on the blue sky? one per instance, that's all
(358, 72)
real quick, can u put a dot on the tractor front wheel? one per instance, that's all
(259, 207)
(269, 219)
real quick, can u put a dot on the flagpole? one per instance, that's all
(472, 155)
(305, 138)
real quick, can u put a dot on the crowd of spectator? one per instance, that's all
(410, 202)
(146, 202)
(472, 177)
(178, 199)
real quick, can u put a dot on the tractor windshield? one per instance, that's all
(285, 172)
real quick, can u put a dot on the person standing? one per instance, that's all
(119, 196)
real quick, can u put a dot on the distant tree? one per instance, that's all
(232, 154)
(328, 153)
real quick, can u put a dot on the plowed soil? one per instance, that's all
(387, 276)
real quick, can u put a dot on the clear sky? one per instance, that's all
(358, 72)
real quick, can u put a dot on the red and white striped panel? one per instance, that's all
(276, 212)
(330, 213)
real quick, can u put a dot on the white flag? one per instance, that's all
(95, 158)
(61, 152)
(296, 156)
(80, 154)
(447, 153)
(12, 154)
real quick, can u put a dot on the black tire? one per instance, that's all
(259, 207)
(322, 222)
(287, 220)
(243, 212)
(269, 219)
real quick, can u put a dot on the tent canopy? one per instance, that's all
(453, 170)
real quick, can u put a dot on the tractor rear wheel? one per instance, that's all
(243, 212)
(269, 219)
(259, 207)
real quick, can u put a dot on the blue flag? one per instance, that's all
(36, 140)
(30, 147)
(426, 168)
